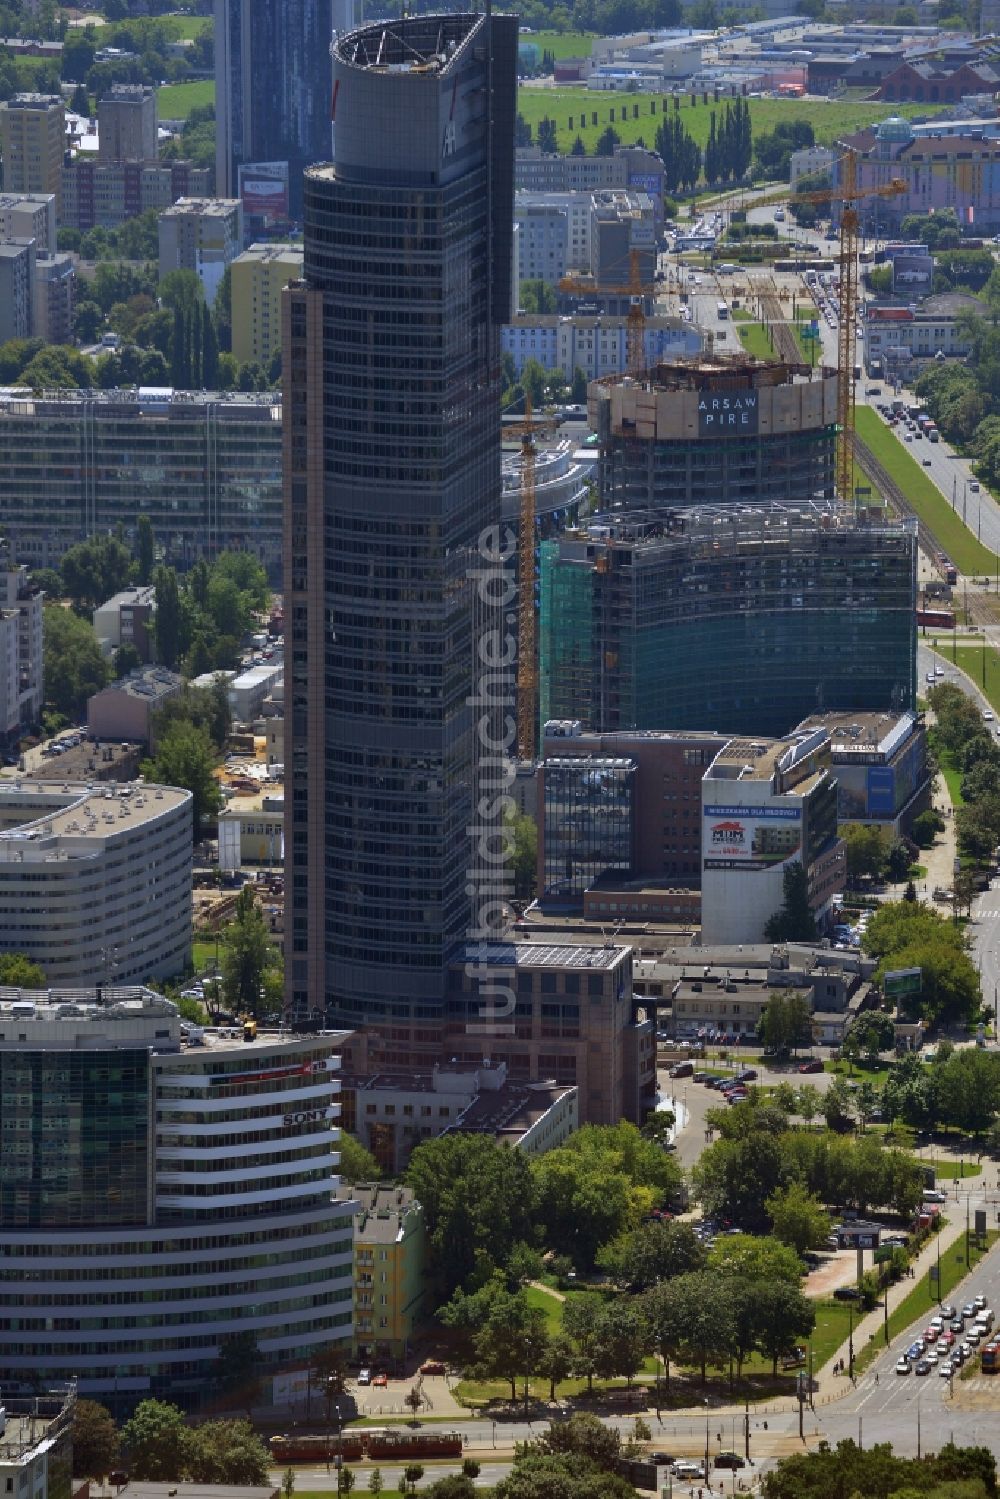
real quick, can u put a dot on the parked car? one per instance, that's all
(432, 1366)
(815, 1065)
(729, 1460)
(381, 1380)
(365, 1377)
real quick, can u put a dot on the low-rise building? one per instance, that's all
(95, 882)
(622, 231)
(880, 761)
(203, 235)
(810, 161)
(251, 829)
(552, 172)
(767, 805)
(124, 710)
(901, 339)
(127, 619)
(596, 344)
(390, 1269)
(393, 1112)
(248, 691)
(36, 1450)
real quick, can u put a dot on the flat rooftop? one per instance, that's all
(509, 1112)
(757, 759)
(38, 812)
(541, 955)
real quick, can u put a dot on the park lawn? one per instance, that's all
(829, 120)
(833, 1325)
(561, 43)
(950, 1169)
(968, 554)
(182, 28)
(203, 955)
(175, 101)
(549, 1304)
(982, 664)
(952, 777)
(755, 339)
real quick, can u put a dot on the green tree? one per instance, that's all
(734, 1178)
(227, 1452)
(356, 1163)
(557, 1361)
(375, 1482)
(523, 835)
(19, 972)
(545, 136)
(73, 667)
(543, 1475)
(168, 618)
(237, 1368)
(652, 1252)
(798, 1218)
(145, 549)
(185, 756)
(95, 1439)
(412, 1474)
(583, 1435)
(157, 1442)
(94, 570)
(755, 1257)
(786, 1022)
(247, 955)
(478, 1199)
(782, 1315)
(794, 920)
(607, 141)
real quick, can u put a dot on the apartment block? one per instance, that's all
(127, 123)
(53, 298)
(106, 193)
(32, 143)
(21, 684)
(259, 276)
(390, 1269)
(17, 285)
(29, 216)
(203, 235)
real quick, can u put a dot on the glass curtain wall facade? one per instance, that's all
(746, 621)
(272, 80)
(392, 478)
(589, 822)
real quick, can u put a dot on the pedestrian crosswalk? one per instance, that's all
(982, 915)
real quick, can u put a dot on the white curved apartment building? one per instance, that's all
(162, 1189)
(95, 881)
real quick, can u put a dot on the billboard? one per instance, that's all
(912, 275)
(728, 413)
(645, 182)
(902, 981)
(263, 187)
(750, 838)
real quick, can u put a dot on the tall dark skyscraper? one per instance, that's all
(392, 476)
(272, 90)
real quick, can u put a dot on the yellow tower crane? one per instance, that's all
(527, 634)
(848, 197)
(635, 322)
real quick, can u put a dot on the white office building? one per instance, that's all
(20, 651)
(164, 1188)
(95, 881)
(596, 345)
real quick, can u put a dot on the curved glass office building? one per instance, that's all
(161, 1189)
(740, 619)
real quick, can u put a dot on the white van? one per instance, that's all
(933, 1195)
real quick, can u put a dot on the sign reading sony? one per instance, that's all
(728, 412)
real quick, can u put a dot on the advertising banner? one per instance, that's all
(264, 189)
(723, 412)
(750, 838)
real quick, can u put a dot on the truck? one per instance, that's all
(933, 435)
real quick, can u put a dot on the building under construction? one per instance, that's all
(743, 618)
(716, 430)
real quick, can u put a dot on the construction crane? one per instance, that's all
(848, 197)
(635, 322)
(527, 634)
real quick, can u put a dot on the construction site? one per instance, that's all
(719, 429)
